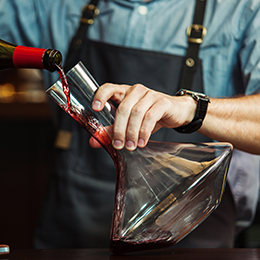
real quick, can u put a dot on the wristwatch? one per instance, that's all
(202, 106)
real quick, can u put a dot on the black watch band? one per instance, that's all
(202, 106)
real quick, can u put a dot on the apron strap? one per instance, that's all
(195, 34)
(89, 13)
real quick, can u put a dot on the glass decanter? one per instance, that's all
(163, 191)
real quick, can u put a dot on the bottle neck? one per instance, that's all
(51, 59)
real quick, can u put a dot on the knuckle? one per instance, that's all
(118, 134)
(136, 110)
(122, 109)
(139, 87)
(152, 93)
(131, 133)
(149, 115)
(144, 131)
(106, 85)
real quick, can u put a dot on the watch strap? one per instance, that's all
(202, 106)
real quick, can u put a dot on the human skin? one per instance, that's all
(142, 111)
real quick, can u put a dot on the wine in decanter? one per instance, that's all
(164, 190)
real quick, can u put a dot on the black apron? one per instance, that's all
(78, 209)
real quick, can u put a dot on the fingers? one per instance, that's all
(137, 117)
(106, 92)
(141, 112)
(146, 112)
(145, 117)
(94, 143)
(129, 116)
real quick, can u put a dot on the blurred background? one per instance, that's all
(26, 141)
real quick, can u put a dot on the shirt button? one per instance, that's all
(142, 10)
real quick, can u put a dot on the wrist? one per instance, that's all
(202, 101)
(190, 106)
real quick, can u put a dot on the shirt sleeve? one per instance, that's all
(250, 53)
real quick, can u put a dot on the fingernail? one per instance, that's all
(118, 144)
(130, 145)
(141, 142)
(96, 105)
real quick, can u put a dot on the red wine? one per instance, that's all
(88, 122)
(120, 246)
(65, 84)
(150, 239)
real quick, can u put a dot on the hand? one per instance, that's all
(141, 112)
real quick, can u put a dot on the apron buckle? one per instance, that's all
(92, 11)
(196, 33)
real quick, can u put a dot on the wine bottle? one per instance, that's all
(17, 56)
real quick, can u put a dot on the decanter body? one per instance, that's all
(164, 190)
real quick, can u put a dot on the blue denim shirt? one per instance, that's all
(230, 51)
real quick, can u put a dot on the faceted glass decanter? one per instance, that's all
(163, 191)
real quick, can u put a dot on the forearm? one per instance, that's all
(234, 120)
